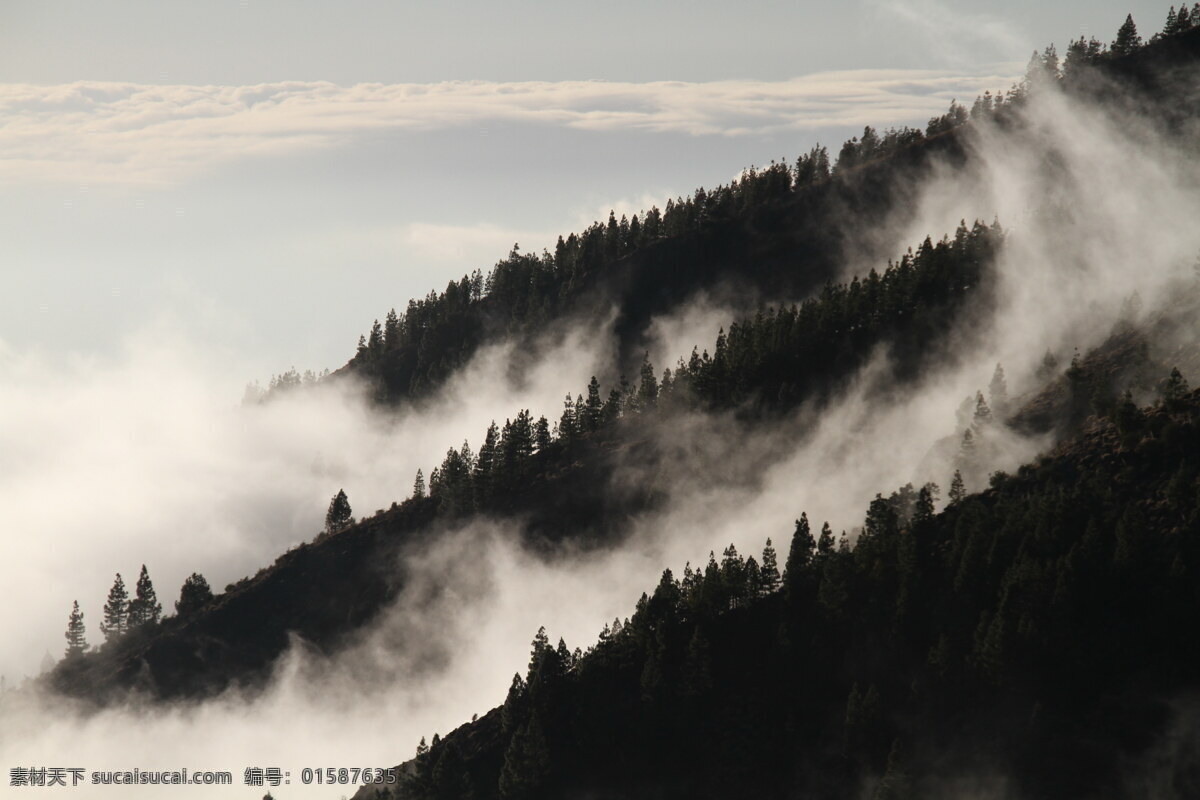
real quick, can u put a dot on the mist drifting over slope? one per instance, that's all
(1097, 204)
(150, 459)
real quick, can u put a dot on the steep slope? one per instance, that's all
(560, 487)
(1037, 640)
(1041, 639)
(771, 235)
(774, 235)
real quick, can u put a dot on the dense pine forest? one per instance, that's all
(1013, 643)
(1032, 633)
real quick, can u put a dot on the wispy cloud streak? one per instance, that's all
(136, 133)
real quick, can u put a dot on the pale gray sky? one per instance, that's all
(250, 41)
(269, 176)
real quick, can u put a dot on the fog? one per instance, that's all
(147, 460)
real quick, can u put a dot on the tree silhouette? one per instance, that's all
(1127, 40)
(1174, 388)
(75, 635)
(116, 611)
(144, 608)
(193, 595)
(769, 569)
(339, 515)
(998, 391)
(799, 555)
(957, 489)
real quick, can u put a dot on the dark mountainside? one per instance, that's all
(1043, 630)
(1040, 639)
(776, 235)
(769, 236)
(560, 487)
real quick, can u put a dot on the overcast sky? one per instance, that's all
(268, 177)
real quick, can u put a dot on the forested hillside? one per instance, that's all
(558, 480)
(1039, 638)
(777, 233)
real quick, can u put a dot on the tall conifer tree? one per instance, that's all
(116, 611)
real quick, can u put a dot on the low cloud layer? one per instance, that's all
(148, 458)
(144, 134)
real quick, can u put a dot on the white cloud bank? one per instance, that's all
(95, 132)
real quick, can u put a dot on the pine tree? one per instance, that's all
(512, 713)
(593, 406)
(579, 412)
(625, 392)
(541, 434)
(998, 391)
(957, 489)
(754, 584)
(338, 517)
(391, 330)
(193, 596)
(1081, 53)
(923, 511)
(487, 464)
(1127, 40)
(517, 444)
(1174, 388)
(526, 762)
(769, 570)
(419, 484)
(568, 425)
(967, 452)
(116, 611)
(76, 634)
(563, 654)
(1182, 21)
(825, 543)
(144, 608)
(822, 162)
(375, 340)
(982, 419)
(733, 572)
(541, 644)
(612, 406)
(1048, 367)
(450, 777)
(799, 555)
(647, 394)
(1050, 63)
